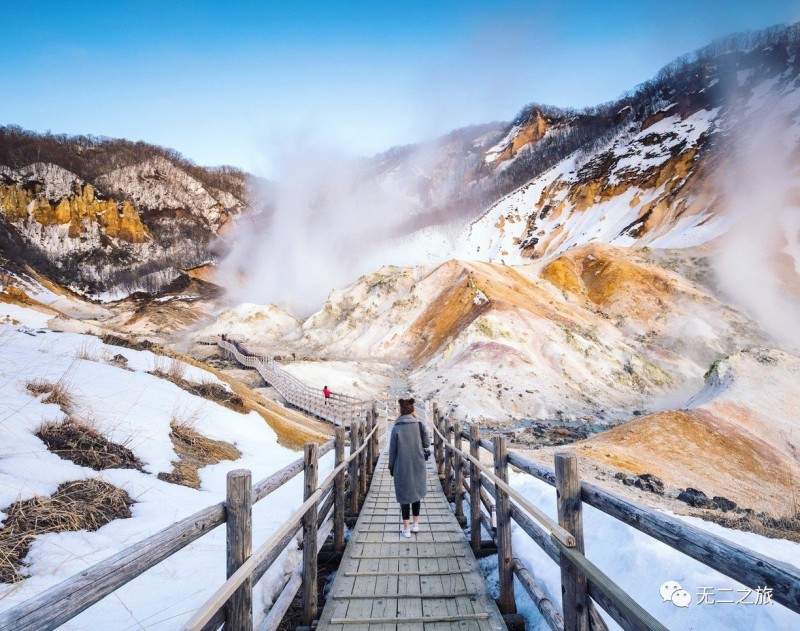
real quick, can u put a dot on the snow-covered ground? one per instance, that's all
(132, 407)
(640, 565)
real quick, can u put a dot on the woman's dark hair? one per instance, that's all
(406, 406)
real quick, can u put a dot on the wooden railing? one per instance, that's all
(323, 512)
(237, 590)
(583, 583)
(339, 409)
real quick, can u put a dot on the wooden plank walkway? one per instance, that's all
(428, 582)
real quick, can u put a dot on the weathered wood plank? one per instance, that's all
(433, 572)
(545, 606)
(505, 554)
(309, 586)
(408, 573)
(338, 491)
(411, 619)
(422, 594)
(574, 594)
(239, 609)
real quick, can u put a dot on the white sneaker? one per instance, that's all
(414, 528)
(405, 533)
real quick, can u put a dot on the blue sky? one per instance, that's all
(239, 82)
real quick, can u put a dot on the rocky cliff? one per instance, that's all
(130, 228)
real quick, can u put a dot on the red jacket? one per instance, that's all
(326, 392)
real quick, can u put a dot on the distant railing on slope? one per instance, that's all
(339, 409)
(583, 583)
(322, 513)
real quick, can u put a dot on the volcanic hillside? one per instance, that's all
(658, 176)
(102, 215)
(594, 334)
(744, 422)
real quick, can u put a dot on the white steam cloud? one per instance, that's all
(758, 265)
(331, 222)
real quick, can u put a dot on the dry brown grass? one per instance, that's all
(79, 505)
(88, 352)
(124, 342)
(293, 428)
(168, 368)
(57, 393)
(764, 525)
(194, 452)
(86, 447)
(174, 371)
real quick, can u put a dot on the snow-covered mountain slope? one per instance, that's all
(159, 185)
(105, 229)
(743, 425)
(656, 168)
(112, 391)
(644, 188)
(43, 196)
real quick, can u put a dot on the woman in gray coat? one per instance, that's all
(407, 447)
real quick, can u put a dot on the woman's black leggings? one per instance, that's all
(406, 509)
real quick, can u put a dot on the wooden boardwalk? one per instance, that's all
(430, 581)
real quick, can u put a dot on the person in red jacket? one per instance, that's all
(327, 394)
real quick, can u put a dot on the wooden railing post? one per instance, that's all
(574, 593)
(474, 489)
(239, 508)
(437, 441)
(376, 445)
(368, 450)
(505, 555)
(338, 490)
(448, 462)
(310, 537)
(458, 482)
(362, 460)
(354, 486)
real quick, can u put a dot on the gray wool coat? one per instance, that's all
(406, 460)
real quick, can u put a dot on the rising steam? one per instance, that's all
(758, 265)
(330, 222)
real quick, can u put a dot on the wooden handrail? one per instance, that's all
(635, 614)
(226, 590)
(67, 599)
(343, 407)
(746, 566)
(205, 613)
(562, 535)
(742, 564)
